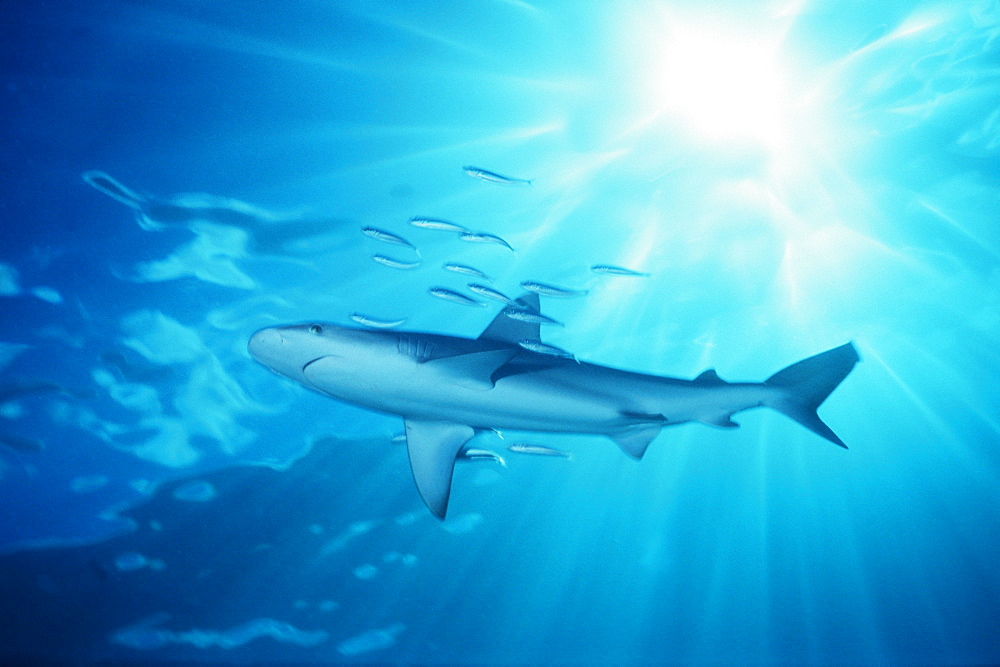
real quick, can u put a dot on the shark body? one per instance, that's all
(447, 388)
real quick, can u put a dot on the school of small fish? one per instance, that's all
(512, 308)
(438, 224)
(454, 297)
(538, 347)
(483, 237)
(395, 263)
(526, 315)
(492, 177)
(375, 322)
(490, 293)
(538, 450)
(464, 269)
(543, 289)
(386, 237)
(482, 455)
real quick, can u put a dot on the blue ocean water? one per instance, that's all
(788, 176)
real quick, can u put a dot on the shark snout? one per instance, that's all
(264, 344)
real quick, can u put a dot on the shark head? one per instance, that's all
(289, 350)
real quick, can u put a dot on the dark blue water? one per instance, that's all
(790, 175)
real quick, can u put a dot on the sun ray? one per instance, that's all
(163, 25)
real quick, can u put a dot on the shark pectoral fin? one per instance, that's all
(475, 370)
(433, 447)
(635, 439)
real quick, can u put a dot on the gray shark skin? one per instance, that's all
(447, 388)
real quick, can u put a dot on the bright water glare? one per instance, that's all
(689, 187)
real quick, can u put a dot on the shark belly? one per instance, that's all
(543, 401)
(526, 403)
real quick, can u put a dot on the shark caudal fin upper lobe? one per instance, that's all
(806, 384)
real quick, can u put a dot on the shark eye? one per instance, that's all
(316, 329)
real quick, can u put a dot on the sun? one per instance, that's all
(721, 85)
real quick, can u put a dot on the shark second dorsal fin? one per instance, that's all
(508, 330)
(709, 377)
(433, 447)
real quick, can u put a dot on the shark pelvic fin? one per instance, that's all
(475, 370)
(433, 447)
(635, 439)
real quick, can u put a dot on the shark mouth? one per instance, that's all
(310, 363)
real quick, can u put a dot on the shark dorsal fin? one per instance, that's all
(709, 377)
(507, 330)
(475, 370)
(433, 447)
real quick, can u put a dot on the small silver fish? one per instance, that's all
(493, 177)
(437, 224)
(551, 290)
(525, 315)
(395, 263)
(490, 293)
(455, 267)
(483, 237)
(386, 237)
(482, 455)
(612, 270)
(538, 450)
(375, 322)
(454, 297)
(533, 345)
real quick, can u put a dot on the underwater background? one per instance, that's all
(782, 176)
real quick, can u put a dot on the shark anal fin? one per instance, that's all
(475, 370)
(433, 447)
(634, 440)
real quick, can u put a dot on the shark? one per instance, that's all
(448, 388)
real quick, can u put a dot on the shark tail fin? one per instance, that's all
(807, 383)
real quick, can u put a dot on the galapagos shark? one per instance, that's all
(447, 389)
